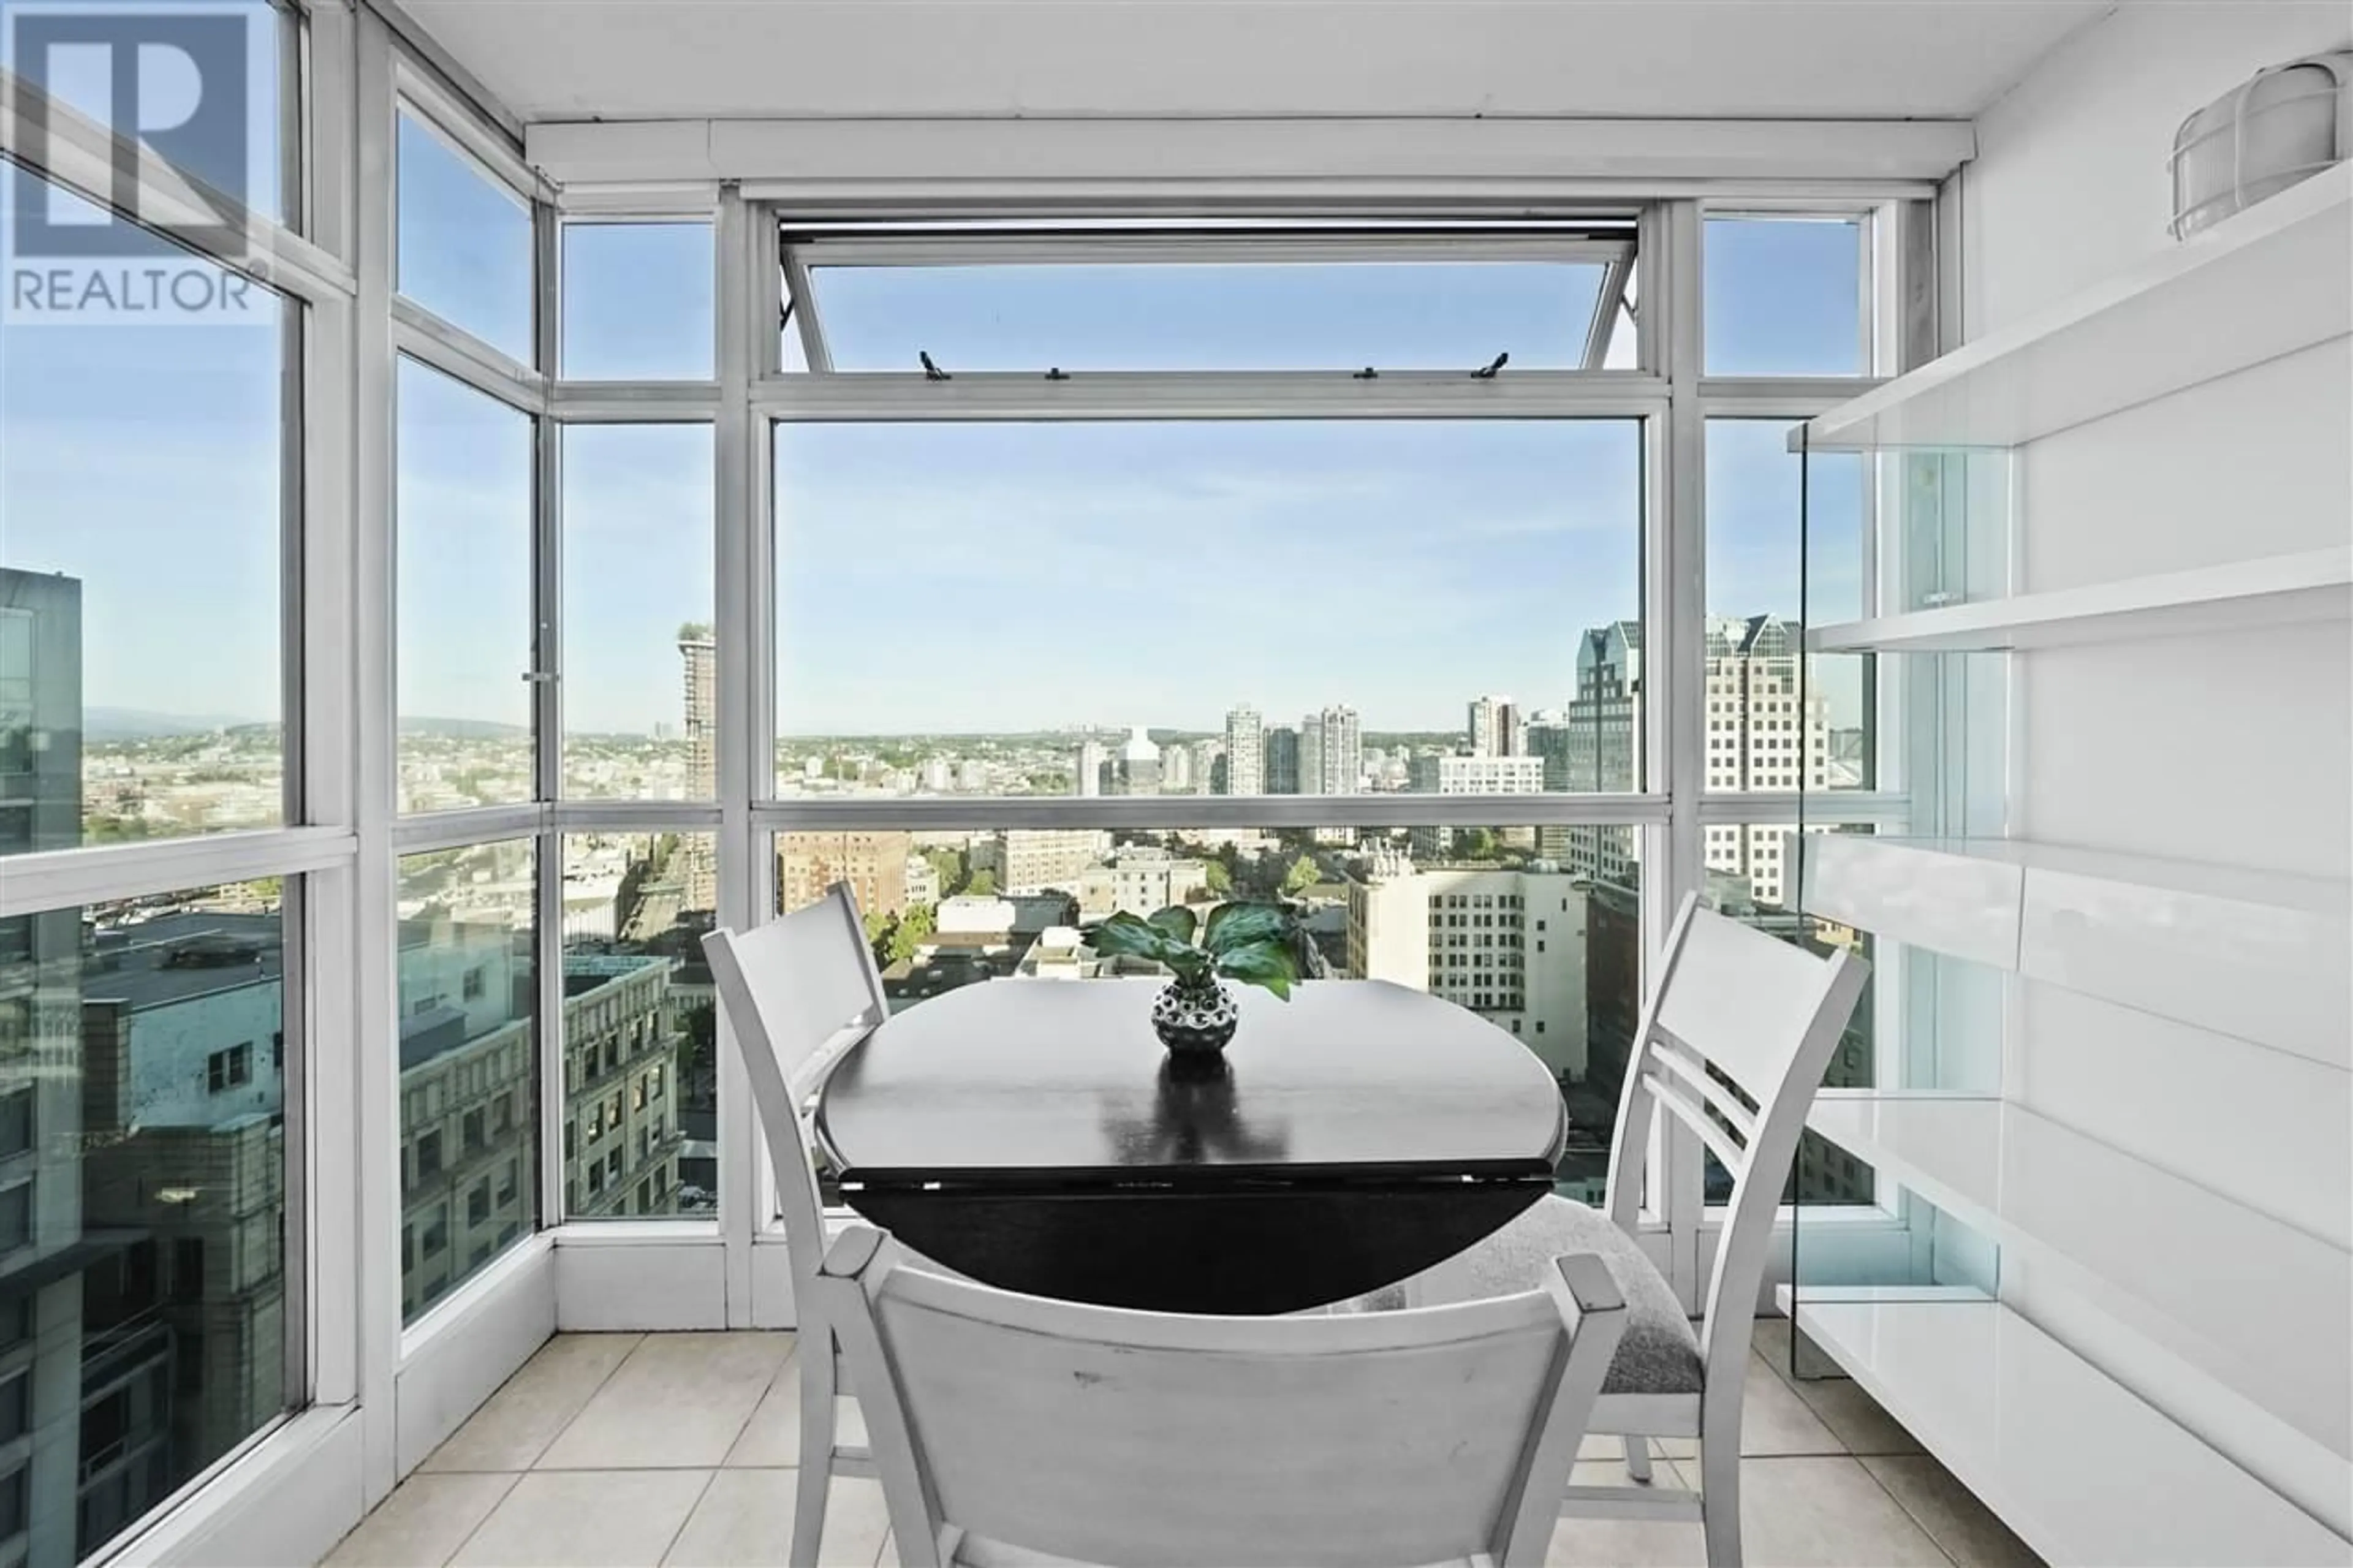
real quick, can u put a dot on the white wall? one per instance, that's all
(2235, 750)
(2070, 184)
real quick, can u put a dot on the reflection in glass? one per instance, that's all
(641, 1025)
(1779, 719)
(142, 1203)
(1785, 296)
(1234, 316)
(141, 474)
(1757, 885)
(639, 661)
(1292, 607)
(637, 301)
(468, 1083)
(465, 241)
(464, 616)
(245, 143)
(1491, 919)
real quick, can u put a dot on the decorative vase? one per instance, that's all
(1195, 1020)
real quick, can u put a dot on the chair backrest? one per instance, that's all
(1739, 1029)
(1146, 1439)
(796, 993)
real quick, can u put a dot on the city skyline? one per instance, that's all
(1407, 563)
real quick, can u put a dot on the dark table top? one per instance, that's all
(1023, 1085)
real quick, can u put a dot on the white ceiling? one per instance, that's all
(632, 59)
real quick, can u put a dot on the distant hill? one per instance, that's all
(144, 724)
(465, 729)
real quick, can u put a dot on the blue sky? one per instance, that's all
(145, 461)
(1155, 316)
(975, 576)
(1036, 575)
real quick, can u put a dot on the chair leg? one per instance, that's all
(815, 1355)
(1638, 1459)
(1719, 1501)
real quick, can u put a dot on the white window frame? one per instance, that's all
(367, 1376)
(1898, 330)
(752, 396)
(316, 848)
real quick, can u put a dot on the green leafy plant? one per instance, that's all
(1246, 941)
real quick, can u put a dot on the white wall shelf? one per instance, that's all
(2264, 283)
(2082, 1469)
(2276, 590)
(2139, 1240)
(1956, 896)
(2257, 955)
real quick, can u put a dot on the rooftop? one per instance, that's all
(177, 958)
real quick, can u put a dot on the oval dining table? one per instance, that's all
(1035, 1135)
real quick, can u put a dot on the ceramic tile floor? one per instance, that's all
(638, 1450)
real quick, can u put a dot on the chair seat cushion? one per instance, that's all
(1658, 1352)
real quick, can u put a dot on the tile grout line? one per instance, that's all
(1909, 1512)
(644, 1338)
(614, 1469)
(1904, 1508)
(754, 1412)
(514, 1479)
(1798, 1386)
(1845, 1450)
(610, 1374)
(711, 1478)
(1919, 1523)
(687, 1518)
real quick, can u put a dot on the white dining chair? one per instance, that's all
(1733, 1045)
(796, 993)
(1007, 1427)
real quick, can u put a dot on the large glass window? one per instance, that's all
(465, 241)
(1787, 296)
(469, 1056)
(1779, 719)
(639, 658)
(465, 613)
(1394, 315)
(641, 1025)
(1488, 918)
(1753, 876)
(1444, 607)
(142, 461)
(143, 1246)
(638, 301)
(209, 96)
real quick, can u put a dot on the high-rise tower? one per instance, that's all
(701, 655)
(1245, 752)
(1331, 753)
(1495, 726)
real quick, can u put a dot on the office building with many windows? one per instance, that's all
(1331, 753)
(1041, 859)
(1477, 774)
(1509, 944)
(1493, 727)
(1246, 758)
(1281, 760)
